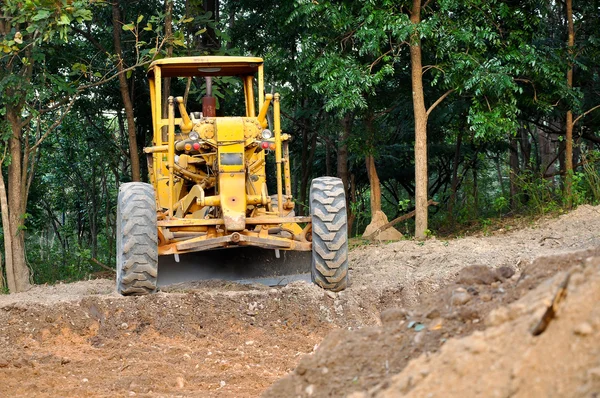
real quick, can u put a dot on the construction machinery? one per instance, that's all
(209, 178)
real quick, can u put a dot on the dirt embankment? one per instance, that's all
(450, 310)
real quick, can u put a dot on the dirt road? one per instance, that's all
(221, 339)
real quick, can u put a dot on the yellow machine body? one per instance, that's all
(209, 172)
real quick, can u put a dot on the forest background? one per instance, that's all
(487, 107)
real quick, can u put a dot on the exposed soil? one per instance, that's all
(439, 318)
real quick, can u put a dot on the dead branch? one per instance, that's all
(106, 267)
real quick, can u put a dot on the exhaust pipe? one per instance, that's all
(209, 103)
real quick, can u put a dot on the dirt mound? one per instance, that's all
(217, 338)
(508, 359)
(364, 361)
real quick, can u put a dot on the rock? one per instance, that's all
(505, 272)
(460, 297)
(485, 297)
(392, 315)
(330, 294)
(467, 314)
(476, 275)
(477, 346)
(310, 390)
(473, 291)
(436, 324)
(358, 394)
(418, 339)
(583, 329)
(497, 317)
(300, 369)
(180, 382)
(434, 313)
(594, 374)
(187, 357)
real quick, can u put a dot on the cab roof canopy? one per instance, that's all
(206, 66)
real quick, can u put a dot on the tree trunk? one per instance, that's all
(525, 146)
(452, 200)
(514, 172)
(124, 88)
(328, 158)
(307, 169)
(569, 125)
(10, 275)
(342, 162)
(475, 191)
(210, 41)
(168, 33)
(17, 178)
(342, 153)
(548, 150)
(420, 114)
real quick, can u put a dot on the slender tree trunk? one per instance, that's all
(420, 114)
(525, 146)
(351, 215)
(168, 33)
(514, 172)
(569, 125)
(16, 205)
(342, 153)
(454, 187)
(475, 191)
(342, 163)
(124, 88)
(10, 274)
(328, 158)
(210, 41)
(307, 169)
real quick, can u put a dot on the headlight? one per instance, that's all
(193, 135)
(266, 134)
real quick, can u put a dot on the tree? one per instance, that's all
(34, 107)
(40, 83)
(124, 88)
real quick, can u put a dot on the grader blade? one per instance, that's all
(243, 265)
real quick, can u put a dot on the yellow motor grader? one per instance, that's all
(208, 187)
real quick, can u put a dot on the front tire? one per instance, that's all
(329, 268)
(137, 239)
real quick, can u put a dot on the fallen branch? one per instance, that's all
(106, 267)
(397, 220)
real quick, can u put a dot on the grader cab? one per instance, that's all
(209, 181)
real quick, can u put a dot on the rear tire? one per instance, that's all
(329, 267)
(137, 239)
